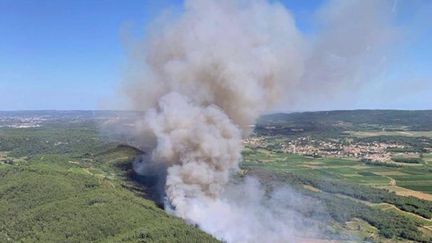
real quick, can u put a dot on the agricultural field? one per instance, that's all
(363, 134)
(418, 178)
(396, 183)
(383, 188)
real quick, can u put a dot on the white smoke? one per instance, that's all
(202, 78)
(200, 145)
(244, 212)
(238, 55)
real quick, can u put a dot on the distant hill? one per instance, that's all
(420, 120)
(413, 120)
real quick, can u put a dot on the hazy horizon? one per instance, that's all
(273, 112)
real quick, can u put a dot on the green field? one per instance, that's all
(346, 169)
(346, 175)
(391, 133)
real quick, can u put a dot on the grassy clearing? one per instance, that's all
(3, 155)
(424, 186)
(391, 173)
(362, 229)
(427, 158)
(407, 192)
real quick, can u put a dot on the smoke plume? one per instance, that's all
(240, 56)
(203, 77)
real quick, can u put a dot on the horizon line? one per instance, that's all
(266, 113)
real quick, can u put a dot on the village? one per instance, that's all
(337, 148)
(21, 122)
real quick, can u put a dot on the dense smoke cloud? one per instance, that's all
(238, 55)
(204, 76)
(245, 212)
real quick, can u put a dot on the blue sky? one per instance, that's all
(63, 54)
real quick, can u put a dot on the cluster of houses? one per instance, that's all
(21, 122)
(373, 151)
